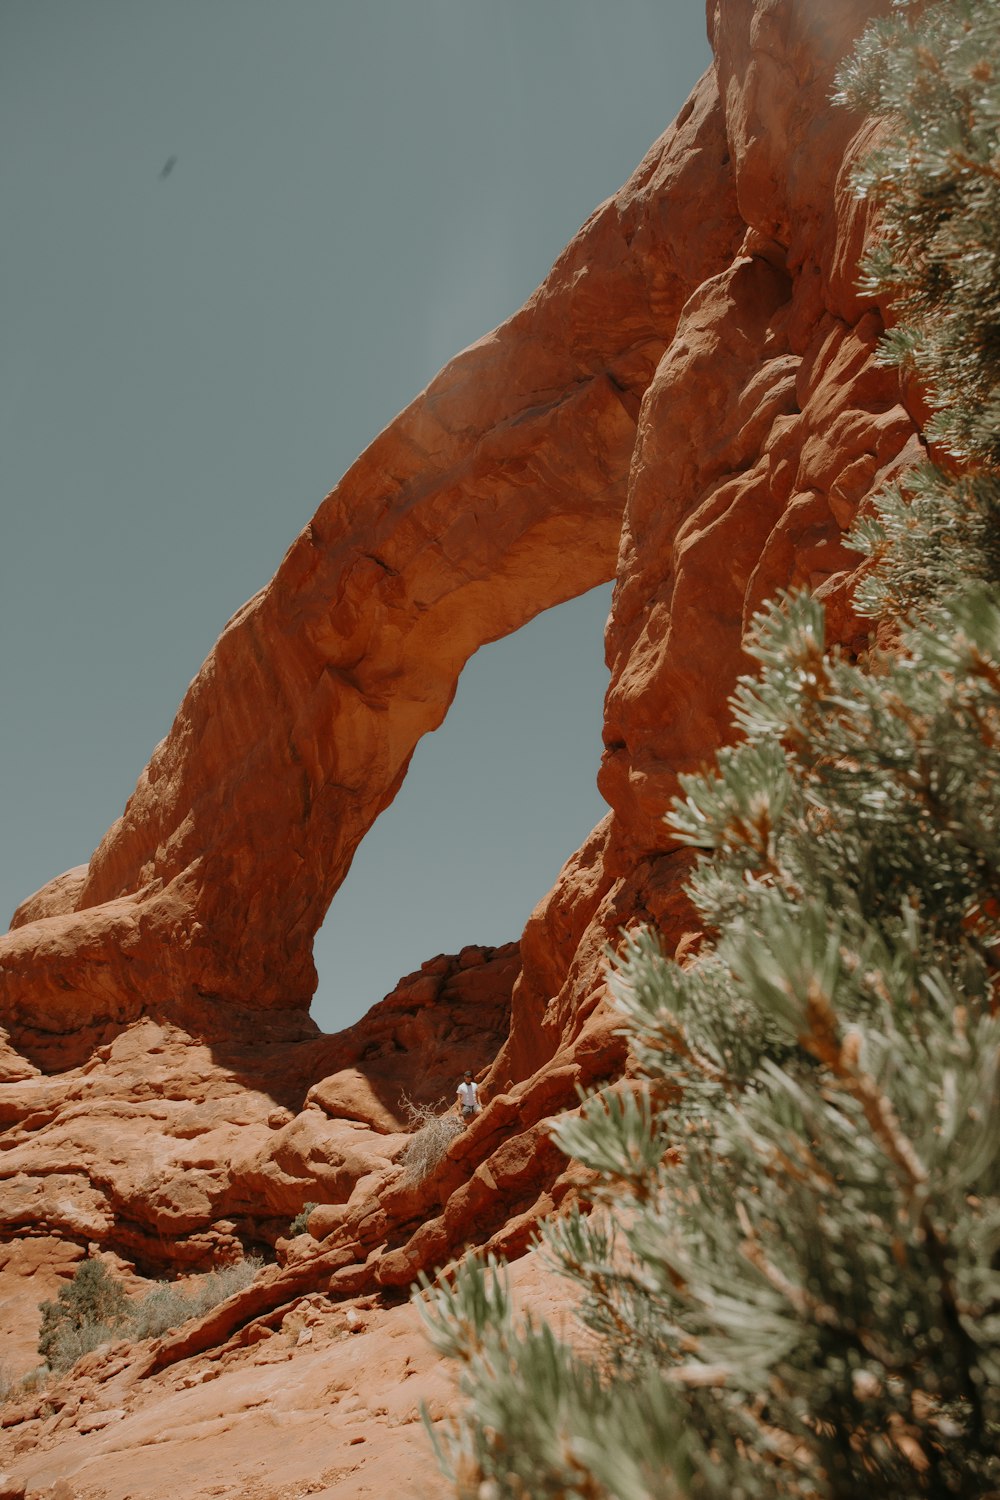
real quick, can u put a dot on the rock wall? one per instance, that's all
(691, 403)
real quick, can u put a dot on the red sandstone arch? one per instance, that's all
(497, 494)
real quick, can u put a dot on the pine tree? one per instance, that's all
(790, 1285)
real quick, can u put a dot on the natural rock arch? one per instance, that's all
(497, 494)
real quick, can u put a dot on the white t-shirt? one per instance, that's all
(468, 1097)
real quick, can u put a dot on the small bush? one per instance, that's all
(433, 1134)
(218, 1285)
(164, 1307)
(300, 1224)
(71, 1344)
(167, 1307)
(93, 1309)
(35, 1380)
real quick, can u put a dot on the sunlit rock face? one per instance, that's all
(766, 424)
(691, 403)
(498, 493)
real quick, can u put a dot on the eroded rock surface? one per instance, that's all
(174, 1155)
(692, 403)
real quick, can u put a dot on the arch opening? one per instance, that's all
(493, 803)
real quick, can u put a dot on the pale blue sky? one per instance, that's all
(189, 362)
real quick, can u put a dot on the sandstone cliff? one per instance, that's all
(690, 403)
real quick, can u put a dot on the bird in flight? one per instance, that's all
(168, 167)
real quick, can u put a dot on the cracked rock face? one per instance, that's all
(692, 404)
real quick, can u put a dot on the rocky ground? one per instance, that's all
(328, 1402)
(166, 1159)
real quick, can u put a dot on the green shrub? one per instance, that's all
(71, 1344)
(300, 1224)
(931, 72)
(93, 1309)
(791, 1284)
(89, 1310)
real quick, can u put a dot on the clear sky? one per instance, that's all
(238, 236)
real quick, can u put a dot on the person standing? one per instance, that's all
(468, 1097)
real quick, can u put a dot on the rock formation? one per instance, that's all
(497, 494)
(691, 403)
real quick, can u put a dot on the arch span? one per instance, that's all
(497, 494)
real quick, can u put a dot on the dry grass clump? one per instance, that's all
(13, 1387)
(432, 1134)
(73, 1343)
(166, 1306)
